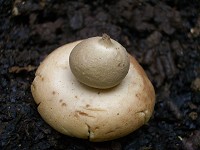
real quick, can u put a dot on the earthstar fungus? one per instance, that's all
(99, 62)
(93, 89)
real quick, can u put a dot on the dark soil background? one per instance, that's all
(164, 36)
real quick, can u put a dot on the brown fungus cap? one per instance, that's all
(78, 110)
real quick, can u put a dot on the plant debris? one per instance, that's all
(17, 69)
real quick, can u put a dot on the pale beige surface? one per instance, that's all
(77, 110)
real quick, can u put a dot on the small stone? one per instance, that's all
(193, 115)
(196, 84)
